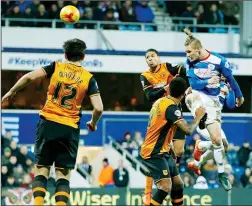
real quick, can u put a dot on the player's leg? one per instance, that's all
(214, 130)
(43, 160)
(65, 161)
(148, 190)
(62, 191)
(177, 183)
(39, 183)
(159, 170)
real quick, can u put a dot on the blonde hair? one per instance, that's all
(191, 39)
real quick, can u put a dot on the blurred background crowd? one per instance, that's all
(17, 165)
(141, 11)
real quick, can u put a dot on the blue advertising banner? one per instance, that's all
(22, 124)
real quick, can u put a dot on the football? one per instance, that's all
(69, 14)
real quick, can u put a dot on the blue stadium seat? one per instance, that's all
(239, 171)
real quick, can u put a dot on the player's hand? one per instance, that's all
(8, 95)
(91, 126)
(200, 112)
(214, 80)
(188, 91)
(239, 101)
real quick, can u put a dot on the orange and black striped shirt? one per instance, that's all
(153, 82)
(69, 84)
(161, 128)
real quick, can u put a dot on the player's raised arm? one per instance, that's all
(24, 81)
(230, 99)
(96, 101)
(227, 72)
(151, 93)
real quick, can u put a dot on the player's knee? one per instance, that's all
(62, 173)
(180, 152)
(216, 140)
(179, 185)
(165, 185)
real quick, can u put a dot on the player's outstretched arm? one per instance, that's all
(24, 81)
(230, 99)
(188, 129)
(227, 73)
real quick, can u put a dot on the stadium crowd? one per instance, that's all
(17, 169)
(213, 12)
(238, 163)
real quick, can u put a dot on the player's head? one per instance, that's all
(152, 58)
(177, 88)
(192, 46)
(105, 162)
(74, 50)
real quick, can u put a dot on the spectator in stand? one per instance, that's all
(85, 166)
(42, 14)
(121, 175)
(138, 138)
(106, 175)
(100, 11)
(28, 14)
(188, 180)
(188, 12)
(6, 7)
(54, 12)
(231, 11)
(4, 175)
(249, 162)
(201, 183)
(10, 183)
(12, 164)
(234, 182)
(35, 7)
(243, 153)
(14, 149)
(22, 4)
(127, 142)
(144, 13)
(231, 155)
(15, 13)
(212, 182)
(209, 169)
(245, 177)
(6, 139)
(18, 173)
(249, 185)
(6, 157)
(214, 15)
(128, 12)
(110, 17)
(60, 4)
(26, 182)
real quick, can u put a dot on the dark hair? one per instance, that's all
(152, 50)
(74, 49)
(105, 160)
(177, 87)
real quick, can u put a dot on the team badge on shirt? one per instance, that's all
(177, 113)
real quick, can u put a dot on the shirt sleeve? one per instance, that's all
(173, 69)
(49, 69)
(93, 87)
(173, 114)
(151, 93)
(226, 68)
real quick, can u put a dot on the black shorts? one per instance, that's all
(56, 143)
(161, 167)
(179, 135)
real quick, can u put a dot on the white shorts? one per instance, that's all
(204, 133)
(210, 103)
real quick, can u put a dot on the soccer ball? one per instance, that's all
(69, 14)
